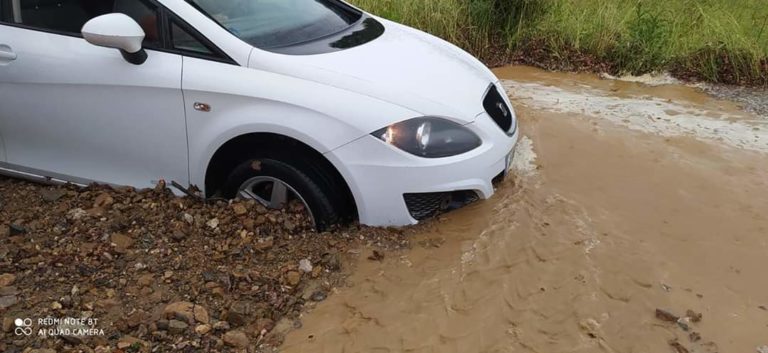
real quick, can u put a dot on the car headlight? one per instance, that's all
(429, 137)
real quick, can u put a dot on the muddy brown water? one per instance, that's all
(606, 221)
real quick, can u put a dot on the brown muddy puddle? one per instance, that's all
(606, 222)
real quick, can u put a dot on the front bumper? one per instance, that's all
(380, 175)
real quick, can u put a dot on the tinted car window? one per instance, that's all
(277, 23)
(145, 15)
(185, 41)
(69, 16)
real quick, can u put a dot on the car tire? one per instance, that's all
(320, 205)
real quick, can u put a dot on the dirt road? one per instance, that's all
(629, 198)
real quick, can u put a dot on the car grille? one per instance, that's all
(499, 111)
(425, 205)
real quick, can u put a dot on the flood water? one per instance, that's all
(627, 198)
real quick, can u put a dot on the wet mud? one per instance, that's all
(627, 198)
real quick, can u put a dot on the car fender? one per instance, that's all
(319, 131)
(240, 100)
(284, 121)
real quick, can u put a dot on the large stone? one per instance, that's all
(263, 325)
(239, 313)
(137, 318)
(305, 266)
(176, 326)
(664, 315)
(133, 343)
(248, 224)
(203, 329)
(95, 212)
(122, 242)
(236, 339)
(239, 209)
(221, 326)
(8, 324)
(162, 325)
(188, 218)
(178, 235)
(187, 312)
(17, 229)
(7, 279)
(145, 280)
(332, 261)
(9, 290)
(264, 244)
(104, 200)
(76, 214)
(51, 195)
(293, 278)
(8, 301)
(319, 296)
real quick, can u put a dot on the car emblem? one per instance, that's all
(503, 108)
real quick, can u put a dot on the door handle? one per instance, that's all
(6, 54)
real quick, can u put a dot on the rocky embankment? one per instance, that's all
(120, 270)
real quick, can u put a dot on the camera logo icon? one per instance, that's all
(23, 327)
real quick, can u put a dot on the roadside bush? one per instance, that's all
(643, 48)
(719, 64)
(714, 40)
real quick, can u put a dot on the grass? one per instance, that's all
(712, 40)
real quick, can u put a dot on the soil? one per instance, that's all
(156, 272)
(635, 223)
(538, 53)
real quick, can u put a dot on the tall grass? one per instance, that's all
(714, 40)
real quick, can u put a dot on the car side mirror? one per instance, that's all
(116, 30)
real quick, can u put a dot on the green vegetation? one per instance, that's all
(713, 40)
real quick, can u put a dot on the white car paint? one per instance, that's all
(440, 81)
(98, 32)
(78, 112)
(391, 175)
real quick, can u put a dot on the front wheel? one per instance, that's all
(275, 183)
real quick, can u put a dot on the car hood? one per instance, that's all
(405, 67)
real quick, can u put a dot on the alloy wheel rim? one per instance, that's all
(272, 193)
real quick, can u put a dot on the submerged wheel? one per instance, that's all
(275, 183)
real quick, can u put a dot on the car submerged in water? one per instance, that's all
(316, 101)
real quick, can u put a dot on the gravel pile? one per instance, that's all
(752, 99)
(146, 271)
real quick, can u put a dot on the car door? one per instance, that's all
(74, 111)
(6, 56)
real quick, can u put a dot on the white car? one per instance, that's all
(276, 100)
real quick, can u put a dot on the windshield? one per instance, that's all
(277, 23)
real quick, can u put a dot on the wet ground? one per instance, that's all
(629, 198)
